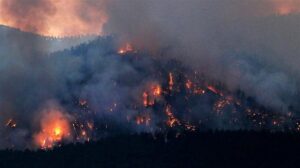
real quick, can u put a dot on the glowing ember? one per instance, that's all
(188, 84)
(11, 123)
(145, 99)
(214, 90)
(171, 82)
(90, 125)
(125, 49)
(190, 127)
(143, 120)
(82, 102)
(172, 120)
(199, 91)
(83, 133)
(220, 105)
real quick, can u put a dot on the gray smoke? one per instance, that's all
(243, 44)
(247, 45)
(32, 78)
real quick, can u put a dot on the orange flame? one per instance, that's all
(151, 94)
(125, 49)
(156, 90)
(143, 120)
(54, 128)
(214, 90)
(172, 120)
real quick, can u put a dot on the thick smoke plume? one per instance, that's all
(52, 17)
(252, 46)
(249, 45)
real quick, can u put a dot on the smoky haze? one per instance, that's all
(249, 45)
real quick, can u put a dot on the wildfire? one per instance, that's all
(156, 90)
(214, 90)
(188, 84)
(11, 123)
(171, 82)
(221, 104)
(172, 120)
(157, 109)
(125, 49)
(83, 133)
(90, 125)
(151, 94)
(190, 127)
(143, 120)
(54, 128)
(298, 126)
(199, 91)
(145, 99)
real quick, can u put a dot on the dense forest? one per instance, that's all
(207, 149)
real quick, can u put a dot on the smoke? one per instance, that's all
(24, 13)
(25, 84)
(249, 45)
(32, 78)
(54, 18)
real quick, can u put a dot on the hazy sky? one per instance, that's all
(74, 17)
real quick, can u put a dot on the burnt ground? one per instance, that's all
(207, 149)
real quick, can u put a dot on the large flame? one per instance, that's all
(55, 127)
